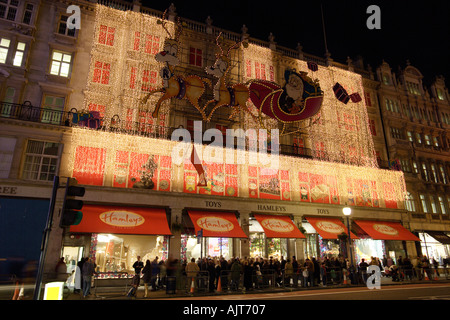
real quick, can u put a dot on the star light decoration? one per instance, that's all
(332, 126)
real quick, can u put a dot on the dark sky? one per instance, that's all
(418, 31)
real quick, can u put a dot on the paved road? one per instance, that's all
(397, 292)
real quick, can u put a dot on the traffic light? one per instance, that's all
(70, 213)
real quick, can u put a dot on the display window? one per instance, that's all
(193, 247)
(368, 248)
(261, 246)
(433, 248)
(117, 252)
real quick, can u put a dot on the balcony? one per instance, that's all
(28, 112)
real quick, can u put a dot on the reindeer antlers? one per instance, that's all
(234, 46)
(179, 26)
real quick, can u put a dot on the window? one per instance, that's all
(248, 68)
(367, 99)
(410, 136)
(260, 71)
(106, 35)
(28, 13)
(410, 205)
(60, 63)
(62, 27)
(427, 140)
(53, 109)
(152, 45)
(442, 205)
(444, 179)
(424, 172)
(386, 79)
(18, 57)
(433, 170)
(4, 47)
(372, 127)
(436, 141)
(396, 133)
(148, 80)
(133, 77)
(415, 167)
(6, 155)
(423, 201)
(101, 72)
(413, 88)
(433, 204)
(418, 138)
(41, 160)
(440, 94)
(8, 9)
(405, 165)
(195, 57)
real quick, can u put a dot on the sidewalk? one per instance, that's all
(161, 294)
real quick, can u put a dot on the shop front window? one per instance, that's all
(117, 252)
(192, 247)
(368, 248)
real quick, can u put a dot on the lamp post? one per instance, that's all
(347, 212)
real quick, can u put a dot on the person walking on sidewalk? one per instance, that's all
(147, 276)
(87, 273)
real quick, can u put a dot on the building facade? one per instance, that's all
(89, 104)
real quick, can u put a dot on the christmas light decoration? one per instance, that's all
(123, 70)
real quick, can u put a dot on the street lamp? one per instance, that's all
(347, 212)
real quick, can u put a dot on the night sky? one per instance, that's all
(418, 31)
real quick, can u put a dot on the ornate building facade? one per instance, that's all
(84, 104)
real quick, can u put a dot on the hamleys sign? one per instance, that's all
(383, 228)
(215, 224)
(330, 227)
(277, 225)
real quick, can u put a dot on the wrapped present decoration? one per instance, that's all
(313, 66)
(340, 93)
(355, 97)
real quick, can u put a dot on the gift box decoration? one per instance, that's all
(355, 97)
(313, 66)
(340, 93)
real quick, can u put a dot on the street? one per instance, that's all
(426, 291)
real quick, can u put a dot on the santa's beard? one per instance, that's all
(294, 92)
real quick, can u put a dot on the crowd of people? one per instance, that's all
(217, 273)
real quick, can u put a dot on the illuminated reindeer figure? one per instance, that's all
(234, 96)
(190, 87)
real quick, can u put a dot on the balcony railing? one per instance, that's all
(28, 112)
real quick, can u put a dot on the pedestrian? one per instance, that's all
(363, 270)
(80, 277)
(436, 266)
(224, 273)
(147, 275)
(248, 273)
(288, 272)
(87, 272)
(211, 275)
(61, 270)
(192, 270)
(235, 274)
(155, 273)
(295, 271)
(316, 273)
(162, 274)
(138, 265)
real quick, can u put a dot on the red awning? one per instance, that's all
(216, 224)
(278, 226)
(123, 220)
(329, 228)
(386, 230)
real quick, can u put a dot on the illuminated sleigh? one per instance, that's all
(272, 100)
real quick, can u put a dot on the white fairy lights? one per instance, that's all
(341, 134)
